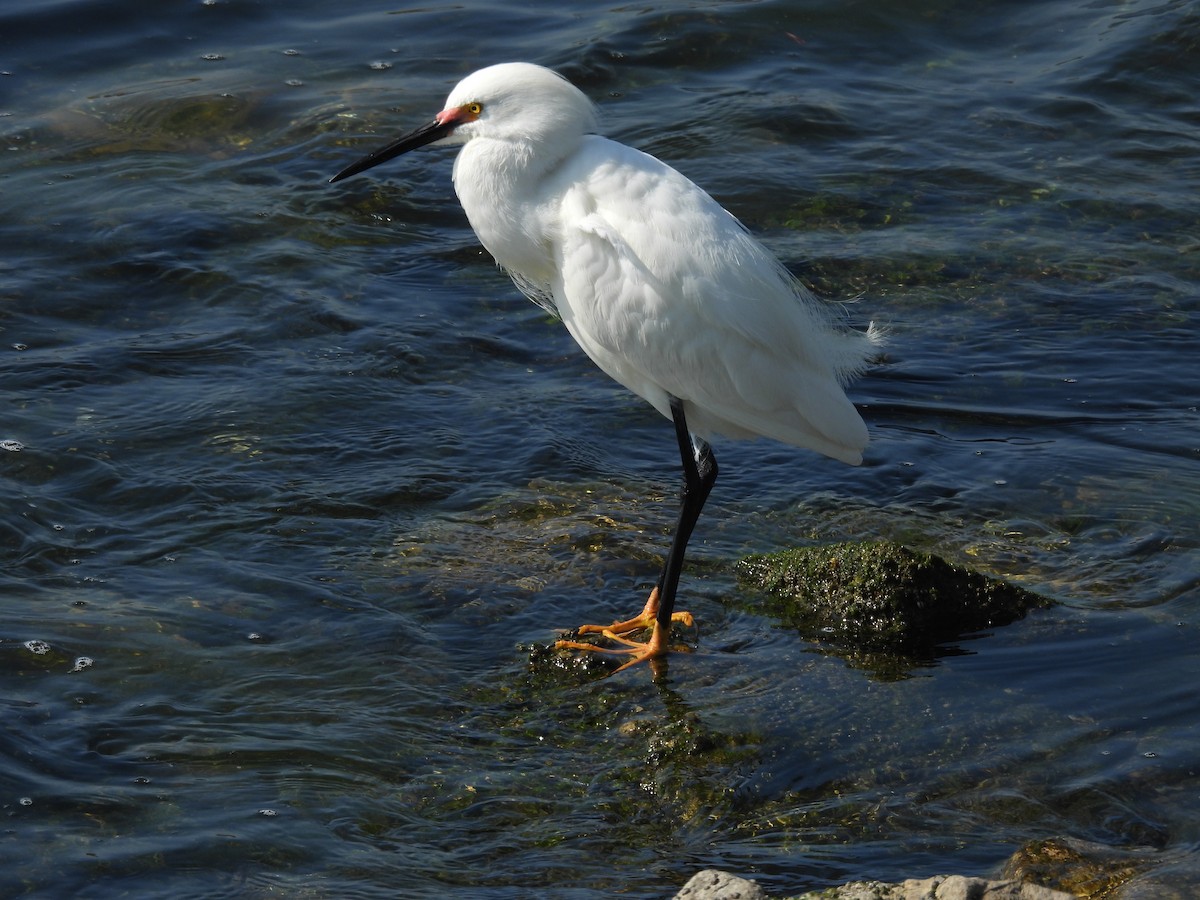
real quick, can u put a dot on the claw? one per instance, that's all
(618, 633)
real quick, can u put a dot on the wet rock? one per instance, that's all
(941, 887)
(1086, 869)
(956, 887)
(882, 597)
(856, 890)
(715, 885)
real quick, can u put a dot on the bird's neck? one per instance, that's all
(499, 186)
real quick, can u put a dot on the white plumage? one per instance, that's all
(660, 286)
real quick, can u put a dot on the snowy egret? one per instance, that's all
(660, 286)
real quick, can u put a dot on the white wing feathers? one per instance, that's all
(700, 310)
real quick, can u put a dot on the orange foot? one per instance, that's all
(619, 632)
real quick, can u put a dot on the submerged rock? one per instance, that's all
(882, 597)
(1087, 869)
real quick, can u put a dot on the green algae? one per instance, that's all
(880, 596)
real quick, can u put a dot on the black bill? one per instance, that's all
(426, 134)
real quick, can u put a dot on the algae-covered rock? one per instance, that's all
(881, 597)
(1088, 870)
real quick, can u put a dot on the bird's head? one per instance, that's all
(520, 103)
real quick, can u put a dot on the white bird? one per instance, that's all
(660, 286)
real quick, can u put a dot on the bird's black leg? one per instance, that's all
(699, 476)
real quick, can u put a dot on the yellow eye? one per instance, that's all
(474, 108)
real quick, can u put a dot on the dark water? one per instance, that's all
(292, 475)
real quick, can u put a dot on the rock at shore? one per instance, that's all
(715, 885)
